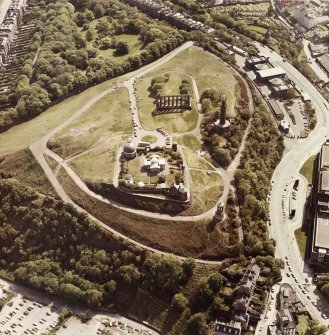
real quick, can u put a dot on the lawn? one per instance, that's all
(135, 45)
(23, 135)
(25, 167)
(189, 141)
(172, 121)
(134, 168)
(149, 138)
(302, 324)
(97, 164)
(207, 70)
(307, 169)
(108, 117)
(301, 238)
(195, 161)
(258, 29)
(205, 190)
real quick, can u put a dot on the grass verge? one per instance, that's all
(307, 169)
(195, 161)
(301, 238)
(189, 141)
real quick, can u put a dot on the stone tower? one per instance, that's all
(223, 111)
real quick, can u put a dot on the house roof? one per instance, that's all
(271, 72)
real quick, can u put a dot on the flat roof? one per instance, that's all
(272, 72)
(325, 180)
(322, 231)
(324, 156)
(261, 66)
(324, 61)
(276, 108)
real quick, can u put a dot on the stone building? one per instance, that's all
(129, 151)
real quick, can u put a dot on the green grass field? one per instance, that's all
(258, 29)
(23, 135)
(195, 161)
(302, 324)
(149, 138)
(173, 122)
(98, 164)
(301, 238)
(307, 169)
(207, 70)
(189, 141)
(108, 117)
(205, 190)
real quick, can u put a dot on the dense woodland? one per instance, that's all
(50, 246)
(263, 151)
(65, 64)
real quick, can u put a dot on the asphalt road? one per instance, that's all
(299, 150)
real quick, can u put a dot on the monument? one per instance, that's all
(222, 124)
(167, 102)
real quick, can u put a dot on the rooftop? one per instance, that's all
(325, 181)
(322, 231)
(272, 72)
(324, 156)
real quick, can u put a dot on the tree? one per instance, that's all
(206, 105)
(314, 328)
(270, 11)
(215, 281)
(122, 48)
(179, 302)
(89, 35)
(197, 324)
(223, 157)
(98, 10)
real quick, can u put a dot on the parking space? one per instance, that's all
(74, 326)
(22, 316)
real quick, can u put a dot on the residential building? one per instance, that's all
(319, 253)
(323, 61)
(234, 328)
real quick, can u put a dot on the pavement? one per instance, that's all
(297, 152)
(33, 312)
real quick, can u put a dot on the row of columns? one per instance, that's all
(174, 101)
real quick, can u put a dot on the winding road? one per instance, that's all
(297, 152)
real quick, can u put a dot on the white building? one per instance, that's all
(309, 17)
(154, 164)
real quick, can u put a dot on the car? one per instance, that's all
(303, 291)
(287, 274)
(26, 313)
(314, 303)
(272, 290)
(308, 297)
(324, 316)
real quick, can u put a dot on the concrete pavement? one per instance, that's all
(287, 170)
